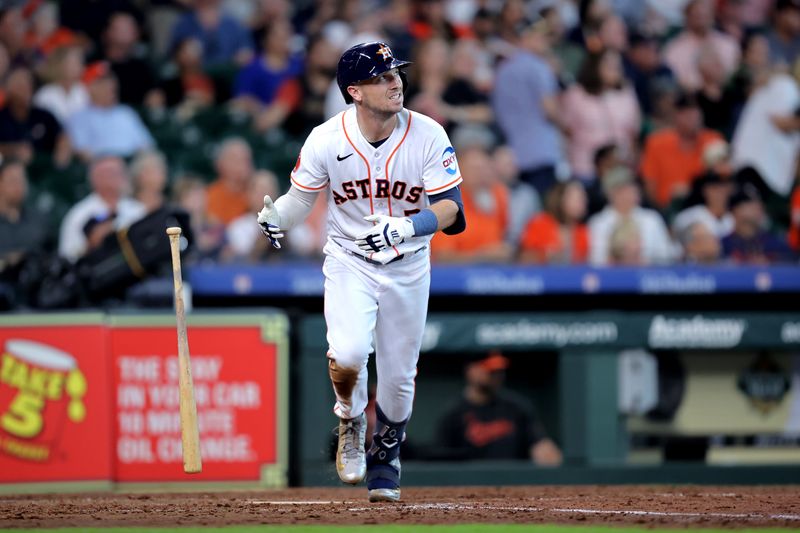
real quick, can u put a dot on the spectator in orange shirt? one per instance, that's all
(227, 196)
(673, 156)
(558, 234)
(486, 208)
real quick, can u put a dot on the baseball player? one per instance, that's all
(391, 179)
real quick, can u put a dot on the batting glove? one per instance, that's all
(270, 222)
(386, 232)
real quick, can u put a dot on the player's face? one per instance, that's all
(384, 93)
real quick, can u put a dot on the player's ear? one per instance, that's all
(354, 91)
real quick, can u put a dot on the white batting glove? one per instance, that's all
(387, 232)
(270, 222)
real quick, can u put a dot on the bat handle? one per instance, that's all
(174, 244)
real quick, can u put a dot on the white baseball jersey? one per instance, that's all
(375, 307)
(394, 179)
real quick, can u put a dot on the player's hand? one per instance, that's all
(270, 222)
(386, 232)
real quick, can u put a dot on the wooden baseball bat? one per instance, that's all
(190, 432)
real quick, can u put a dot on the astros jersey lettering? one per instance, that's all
(395, 179)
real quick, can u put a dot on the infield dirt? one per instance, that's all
(649, 506)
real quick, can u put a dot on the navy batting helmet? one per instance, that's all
(364, 61)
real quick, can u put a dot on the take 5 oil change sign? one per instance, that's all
(54, 404)
(237, 384)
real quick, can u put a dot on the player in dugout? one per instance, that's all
(491, 422)
(392, 180)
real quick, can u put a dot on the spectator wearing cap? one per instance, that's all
(682, 52)
(108, 200)
(486, 204)
(673, 156)
(525, 102)
(106, 127)
(749, 242)
(225, 41)
(491, 422)
(65, 95)
(784, 33)
(558, 235)
(600, 109)
(645, 69)
(26, 129)
(624, 203)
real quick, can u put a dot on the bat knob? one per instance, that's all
(175, 230)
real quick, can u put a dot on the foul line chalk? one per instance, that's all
(674, 514)
(297, 502)
(746, 516)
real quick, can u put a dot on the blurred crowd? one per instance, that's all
(609, 132)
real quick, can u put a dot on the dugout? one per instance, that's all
(631, 397)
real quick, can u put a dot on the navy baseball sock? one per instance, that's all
(383, 465)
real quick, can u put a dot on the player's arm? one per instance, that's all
(446, 213)
(448, 207)
(285, 213)
(308, 178)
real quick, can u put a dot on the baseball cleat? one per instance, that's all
(351, 462)
(383, 459)
(384, 495)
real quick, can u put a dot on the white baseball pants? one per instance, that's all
(375, 306)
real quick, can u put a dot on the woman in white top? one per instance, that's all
(66, 94)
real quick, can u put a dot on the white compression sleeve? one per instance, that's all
(294, 206)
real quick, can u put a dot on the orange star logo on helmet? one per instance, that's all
(385, 52)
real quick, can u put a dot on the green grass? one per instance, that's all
(461, 528)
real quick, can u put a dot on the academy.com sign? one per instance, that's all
(695, 332)
(524, 332)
